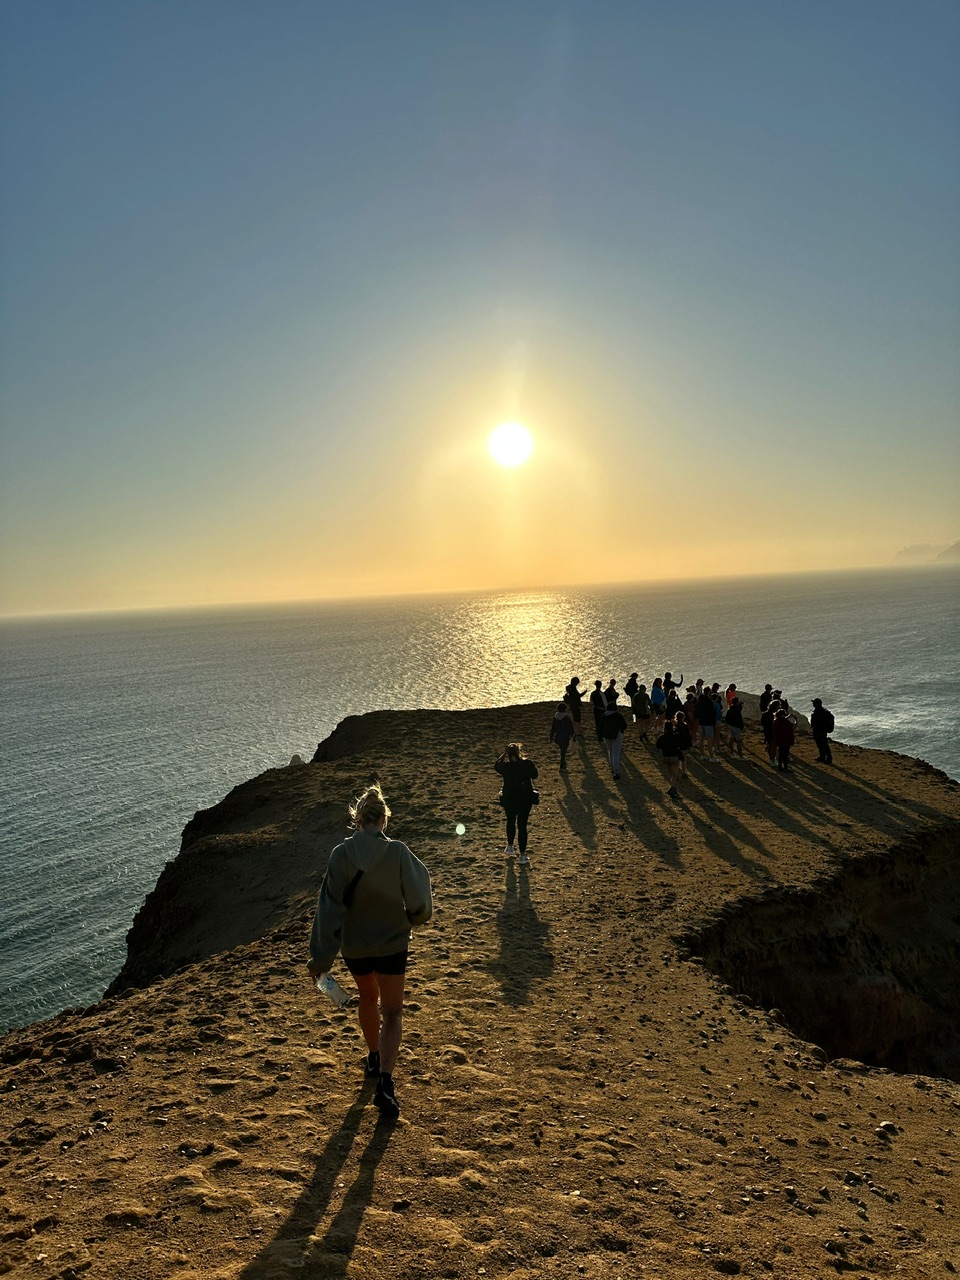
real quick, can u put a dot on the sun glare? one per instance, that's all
(510, 444)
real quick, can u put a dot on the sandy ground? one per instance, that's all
(578, 1098)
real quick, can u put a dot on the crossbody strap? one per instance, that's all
(351, 889)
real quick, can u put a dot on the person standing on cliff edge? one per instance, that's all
(374, 890)
(821, 726)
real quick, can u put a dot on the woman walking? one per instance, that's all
(374, 890)
(517, 797)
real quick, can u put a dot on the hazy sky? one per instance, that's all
(272, 271)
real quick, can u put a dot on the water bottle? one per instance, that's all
(332, 989)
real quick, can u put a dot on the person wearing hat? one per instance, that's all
(822, 725)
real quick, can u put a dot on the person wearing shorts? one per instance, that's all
(373, 892)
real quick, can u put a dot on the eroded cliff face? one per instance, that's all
(242, 866)
(865, 964)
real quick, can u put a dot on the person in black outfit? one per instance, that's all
(632, 687)
(562, 732)
(669, 682)
(668, 744)
(573, 698)
(822, 725)
(681, 729)
(766, 697)
(516, 796)
(599, 704)
(734, 722)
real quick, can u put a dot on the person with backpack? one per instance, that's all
(822, 725)
(562, 732)
(614, 726)
(642, 709)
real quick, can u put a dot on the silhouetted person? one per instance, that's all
(611, 693)
(706, 713)
(516, 796)
(599, 704)
(822, 725)
(562, 732)
(614, 726)
(574, 699)
(783, 738)
(734, 722)
(631, 687)
(668, 744)
(642, 708)
(766, 697)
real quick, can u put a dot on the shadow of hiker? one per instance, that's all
(524, 956)
(644, 804)
(330, 1254)
(579, 815)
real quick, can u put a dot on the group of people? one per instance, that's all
(375, 890)
(705, 717)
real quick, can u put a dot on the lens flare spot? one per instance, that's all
(461, 829)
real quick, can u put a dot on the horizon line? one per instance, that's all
(225, 605)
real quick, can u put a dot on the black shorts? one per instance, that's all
(393, 966)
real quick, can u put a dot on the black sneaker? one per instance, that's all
(385, 1098)
(372, 1065)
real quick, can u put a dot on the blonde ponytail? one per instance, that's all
(369, 809)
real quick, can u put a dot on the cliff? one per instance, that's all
(713, 1035)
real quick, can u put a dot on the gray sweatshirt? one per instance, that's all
(392, 894)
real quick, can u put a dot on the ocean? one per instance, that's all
(116, 728)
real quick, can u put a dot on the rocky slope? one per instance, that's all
(649, 1055)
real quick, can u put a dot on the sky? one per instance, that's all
(271, 272)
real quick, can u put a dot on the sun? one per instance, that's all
(510, 444)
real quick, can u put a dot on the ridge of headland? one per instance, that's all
(716, 1035)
